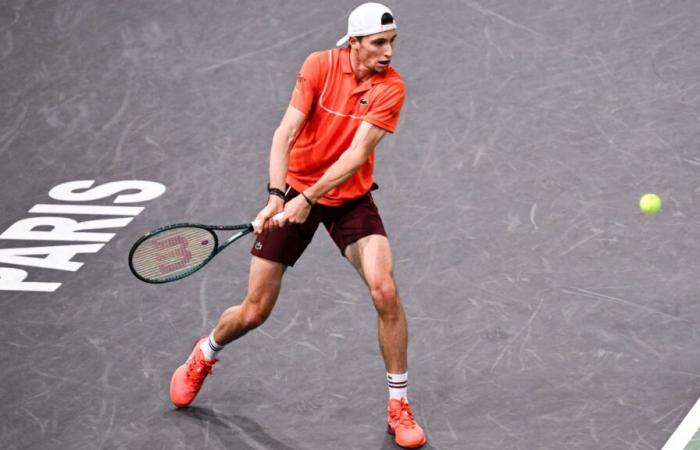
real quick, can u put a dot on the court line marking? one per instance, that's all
(686, 430)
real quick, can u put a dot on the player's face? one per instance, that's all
(375, 51)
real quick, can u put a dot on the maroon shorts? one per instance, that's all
(346, 224)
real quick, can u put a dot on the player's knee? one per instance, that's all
(385, 295)
(255, 316)
(256, 310)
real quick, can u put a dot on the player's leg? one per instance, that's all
(272, 252)
(358, 231)
(264, 281)
(371, 257)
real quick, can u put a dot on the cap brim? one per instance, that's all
(342, 41)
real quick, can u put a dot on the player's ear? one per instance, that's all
(354, 42)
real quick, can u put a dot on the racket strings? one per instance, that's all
(173, 252)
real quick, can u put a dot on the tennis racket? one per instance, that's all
(175, 251)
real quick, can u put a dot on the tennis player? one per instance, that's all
(321, 164)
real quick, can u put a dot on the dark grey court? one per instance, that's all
(545, 311)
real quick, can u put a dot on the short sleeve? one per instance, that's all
(386, 108)
(308, 84)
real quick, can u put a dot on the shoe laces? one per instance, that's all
(198, 370)
(403, 414)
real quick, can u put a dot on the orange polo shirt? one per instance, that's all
(335, 104)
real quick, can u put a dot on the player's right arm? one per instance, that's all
(306, 90)
(282, 141)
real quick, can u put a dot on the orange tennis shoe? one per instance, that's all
(187, 379)
(400, 422)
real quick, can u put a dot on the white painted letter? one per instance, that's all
(96, 210)
(13, 280)
(58, 256)
(62, 229)
(148, 190)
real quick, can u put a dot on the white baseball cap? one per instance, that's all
(366, 19)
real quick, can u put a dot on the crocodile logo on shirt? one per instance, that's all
(363, 101)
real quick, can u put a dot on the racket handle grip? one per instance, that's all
(276, 217)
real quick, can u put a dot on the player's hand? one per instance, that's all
(296, 210)
(274, 205)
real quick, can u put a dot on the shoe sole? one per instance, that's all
(391, 432)
(172, 381)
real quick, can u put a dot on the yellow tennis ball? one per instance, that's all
(650, 203)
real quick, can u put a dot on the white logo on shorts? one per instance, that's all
(258, 246)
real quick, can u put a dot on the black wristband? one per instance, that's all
(308, 200)
(276, 192)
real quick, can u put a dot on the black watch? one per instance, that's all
(276, 192)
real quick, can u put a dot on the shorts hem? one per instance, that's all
(273, 259)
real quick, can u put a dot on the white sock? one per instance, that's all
(398, 385)
(210, 348)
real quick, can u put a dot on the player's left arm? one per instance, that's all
(363, 143)
(382, 118)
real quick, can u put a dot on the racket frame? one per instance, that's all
(244, 229)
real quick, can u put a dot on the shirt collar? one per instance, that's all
(377, 78)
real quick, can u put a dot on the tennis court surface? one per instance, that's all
(545, 310)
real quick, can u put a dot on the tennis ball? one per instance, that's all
(650, 204)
